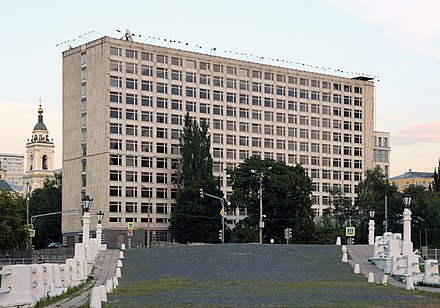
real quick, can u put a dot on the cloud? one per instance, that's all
(417, 134)
(414, 24)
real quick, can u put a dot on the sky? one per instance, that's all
(398, 41)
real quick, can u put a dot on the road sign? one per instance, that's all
(350, 231)
(222, 212)
(31, 232)
(130, 225)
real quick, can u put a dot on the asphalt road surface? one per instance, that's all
(252, 275)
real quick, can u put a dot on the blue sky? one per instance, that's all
(397, 40)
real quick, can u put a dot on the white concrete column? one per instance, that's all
(371, 232)
(99, 235)
(86, 228)
(407, 248)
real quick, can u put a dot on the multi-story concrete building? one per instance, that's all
(382, 149)
(123, 108)
(13, 167)
(415, 178)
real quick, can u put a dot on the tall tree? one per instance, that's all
(373, 190)
(286, 200)
(13, 231)
(47, 200)
(196, 219)
(436, 183)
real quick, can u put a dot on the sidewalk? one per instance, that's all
(103, 270)
(360, 254)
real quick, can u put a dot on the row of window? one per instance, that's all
(162, 133)
(244, 113)
(219, 95)
(131, 68)
(135, 207)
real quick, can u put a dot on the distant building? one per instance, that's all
(13, 167)
(39, 156)
(415, 178)
(382, 149)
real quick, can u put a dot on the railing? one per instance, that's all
(58, 255)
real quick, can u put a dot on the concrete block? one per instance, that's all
(357, 269)
(338, 241)
(344, 257)
(16, 287)
(385, 279)
(115, 282)
(122, 246)
(121, 255)
(38, 281)
(103, 293)
(95, 300)
(109, 286)
(118, 272)
(119, 263)
(371, 277)
(409, 283)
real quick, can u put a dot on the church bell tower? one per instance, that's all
(39, 156)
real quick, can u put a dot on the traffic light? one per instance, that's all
(220, 234)
(201, 192)
(290, 233)
(286, 233)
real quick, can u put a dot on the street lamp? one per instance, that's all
(99, 228)
(407, 201)
(86, 205)
(407, 244)
(371, 228)
(261, 176)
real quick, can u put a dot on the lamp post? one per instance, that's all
(99, 228)
(261, 223)
(407, 244)
(371, 228)
(86, 205)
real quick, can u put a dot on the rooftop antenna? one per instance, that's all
(128, 36)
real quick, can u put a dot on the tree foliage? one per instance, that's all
(286, 200)
(436, 182)
(43, 201)
(13, 230)
(196, 219)
(372, 192)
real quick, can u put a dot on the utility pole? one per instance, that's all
(222, 212)
(261, 222)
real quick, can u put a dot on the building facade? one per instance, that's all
(123, 108)
(415, 178)
(13, 168)
(40, 151)
(382, 150)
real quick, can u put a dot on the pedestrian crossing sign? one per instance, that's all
(130, 225)
(350, 231)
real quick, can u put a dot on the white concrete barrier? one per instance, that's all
(118, 272)
(38, 287)
(103, 293)
(115, 282)
(371, 277)
(122, 246)
(121, 255)
(109, 286)
(357, 269)
(119, 263)
(385, 279)
(338, 241)
(409, 283)
(17, 285)
(95, 300)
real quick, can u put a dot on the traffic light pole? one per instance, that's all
(222, 201)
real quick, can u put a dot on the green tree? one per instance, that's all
(13, 231)
(196, 219)
(371, 196)
(436, 182)
(327, 230)
(286, 200)
(43, 201)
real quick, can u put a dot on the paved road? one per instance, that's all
(104, 269)
(250, 275)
